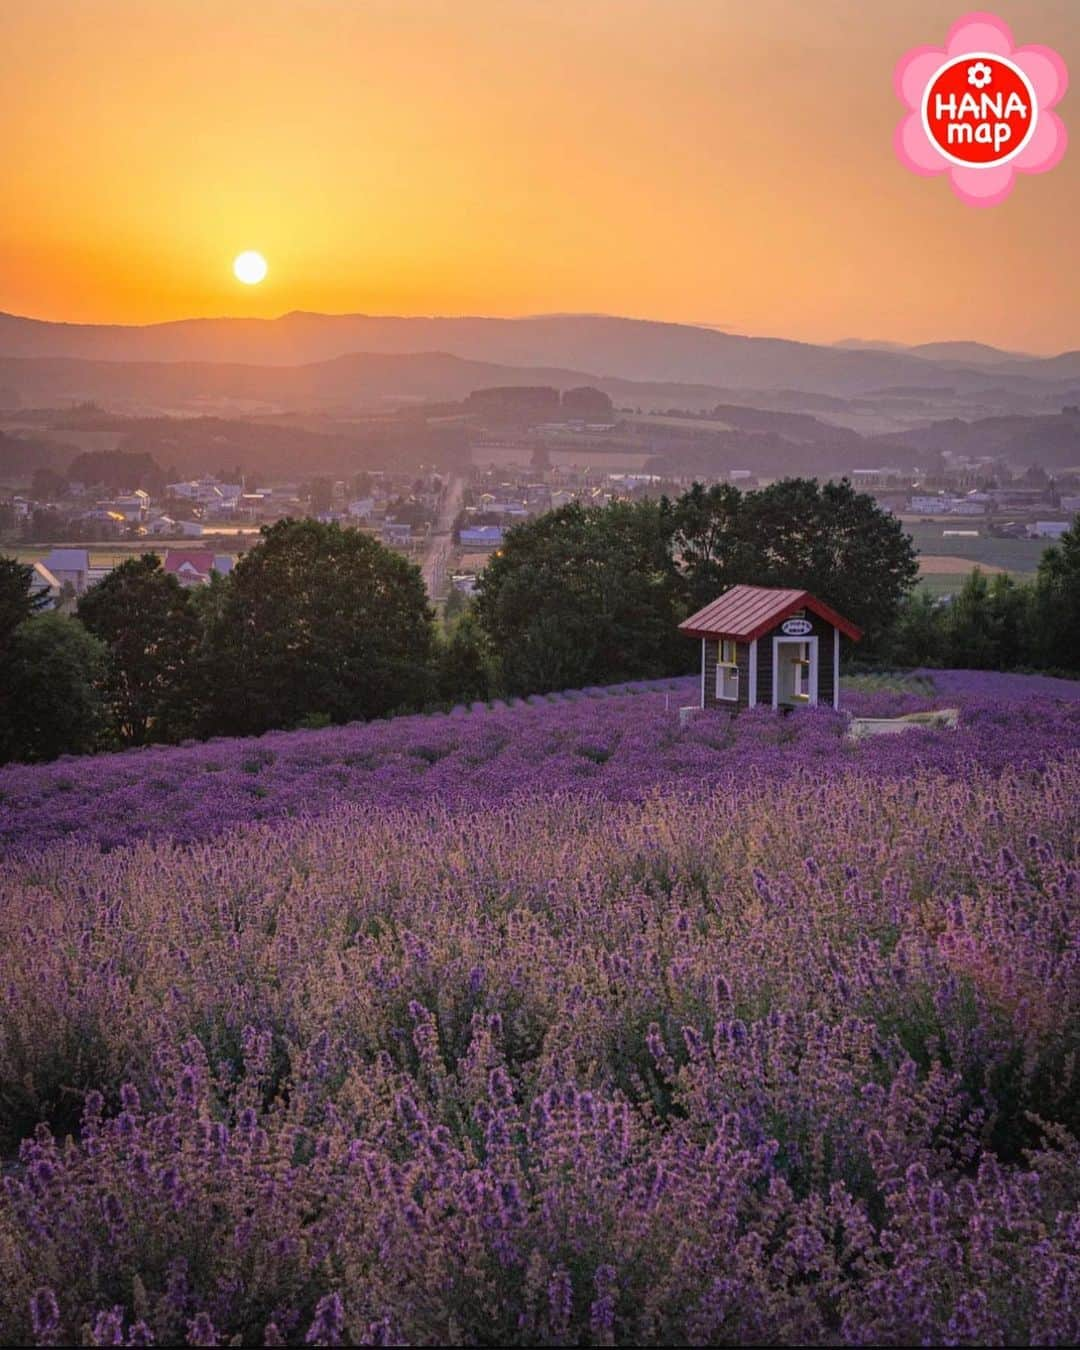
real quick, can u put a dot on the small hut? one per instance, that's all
(768, 645)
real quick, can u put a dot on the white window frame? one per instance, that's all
(727, 672)
(751, 700)
(812, 643)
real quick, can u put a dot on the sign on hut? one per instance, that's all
(771, 646)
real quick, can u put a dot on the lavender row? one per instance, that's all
(620, 747)
(783, 1061)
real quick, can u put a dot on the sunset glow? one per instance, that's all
(702, 161)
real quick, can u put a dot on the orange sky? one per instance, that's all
(724, 161)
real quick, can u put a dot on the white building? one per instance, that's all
(131, 505)
(1047, 529)
(70, 566)
(42, 582)
(208, 492)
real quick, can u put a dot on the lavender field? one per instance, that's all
(550, 1024)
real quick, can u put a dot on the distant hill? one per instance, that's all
(343, 384)
(973, 354)
(1052, 441)
(960, 353)
(592, 345)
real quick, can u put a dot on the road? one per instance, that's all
(440, 541)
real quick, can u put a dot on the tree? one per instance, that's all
(148, 624)
(1056, 602)
(50, 700)
(46, 484)
(832, 541)
(464, 664)
(583, 596)
(457, 602)
(917, 636)
(708, 542)
(118, 470)
(316, 619)
(586, 402)
(17, 601)
(970, 636)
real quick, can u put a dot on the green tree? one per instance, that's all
(970, 630)
(118, 470)
(457, 602)
(1011, 606)
(1056, 603)
(465, 667)
(583, 595)
(824, 538)
(988, 626)
(50, 701)
(709, 547)
(918, 635)
(17, 601)
(832, 541)
(316, 619)
(151, 631)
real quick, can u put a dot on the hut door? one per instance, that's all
(795, 672)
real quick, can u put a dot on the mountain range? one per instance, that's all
(601, 345)
(344, 363)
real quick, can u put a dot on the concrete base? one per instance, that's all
(941, 718)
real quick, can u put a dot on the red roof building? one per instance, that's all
(192, 566)
(771, 645)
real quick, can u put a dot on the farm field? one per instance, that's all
(551, 1024)
(1018, 556)
(944, 575)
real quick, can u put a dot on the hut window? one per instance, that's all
(802, 672)
(727, 672)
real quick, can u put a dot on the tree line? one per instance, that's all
(996, 623)
(320, 624)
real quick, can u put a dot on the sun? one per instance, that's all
(249, 267)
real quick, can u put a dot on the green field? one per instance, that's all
(1019, 556)
(942, 583)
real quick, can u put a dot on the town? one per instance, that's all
(525, 453)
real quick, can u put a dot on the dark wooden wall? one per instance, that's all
(742, 659)
(764, 671)
(826, 674)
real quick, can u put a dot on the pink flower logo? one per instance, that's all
(979, 109)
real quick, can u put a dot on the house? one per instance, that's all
(43, 583)
(1048, 529)
(482, 536)
(192, 566)
(770, 646)
(70, 566)
(131, 505)
(398, 535)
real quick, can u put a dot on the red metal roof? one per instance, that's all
(200, 559)
(746, 612)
